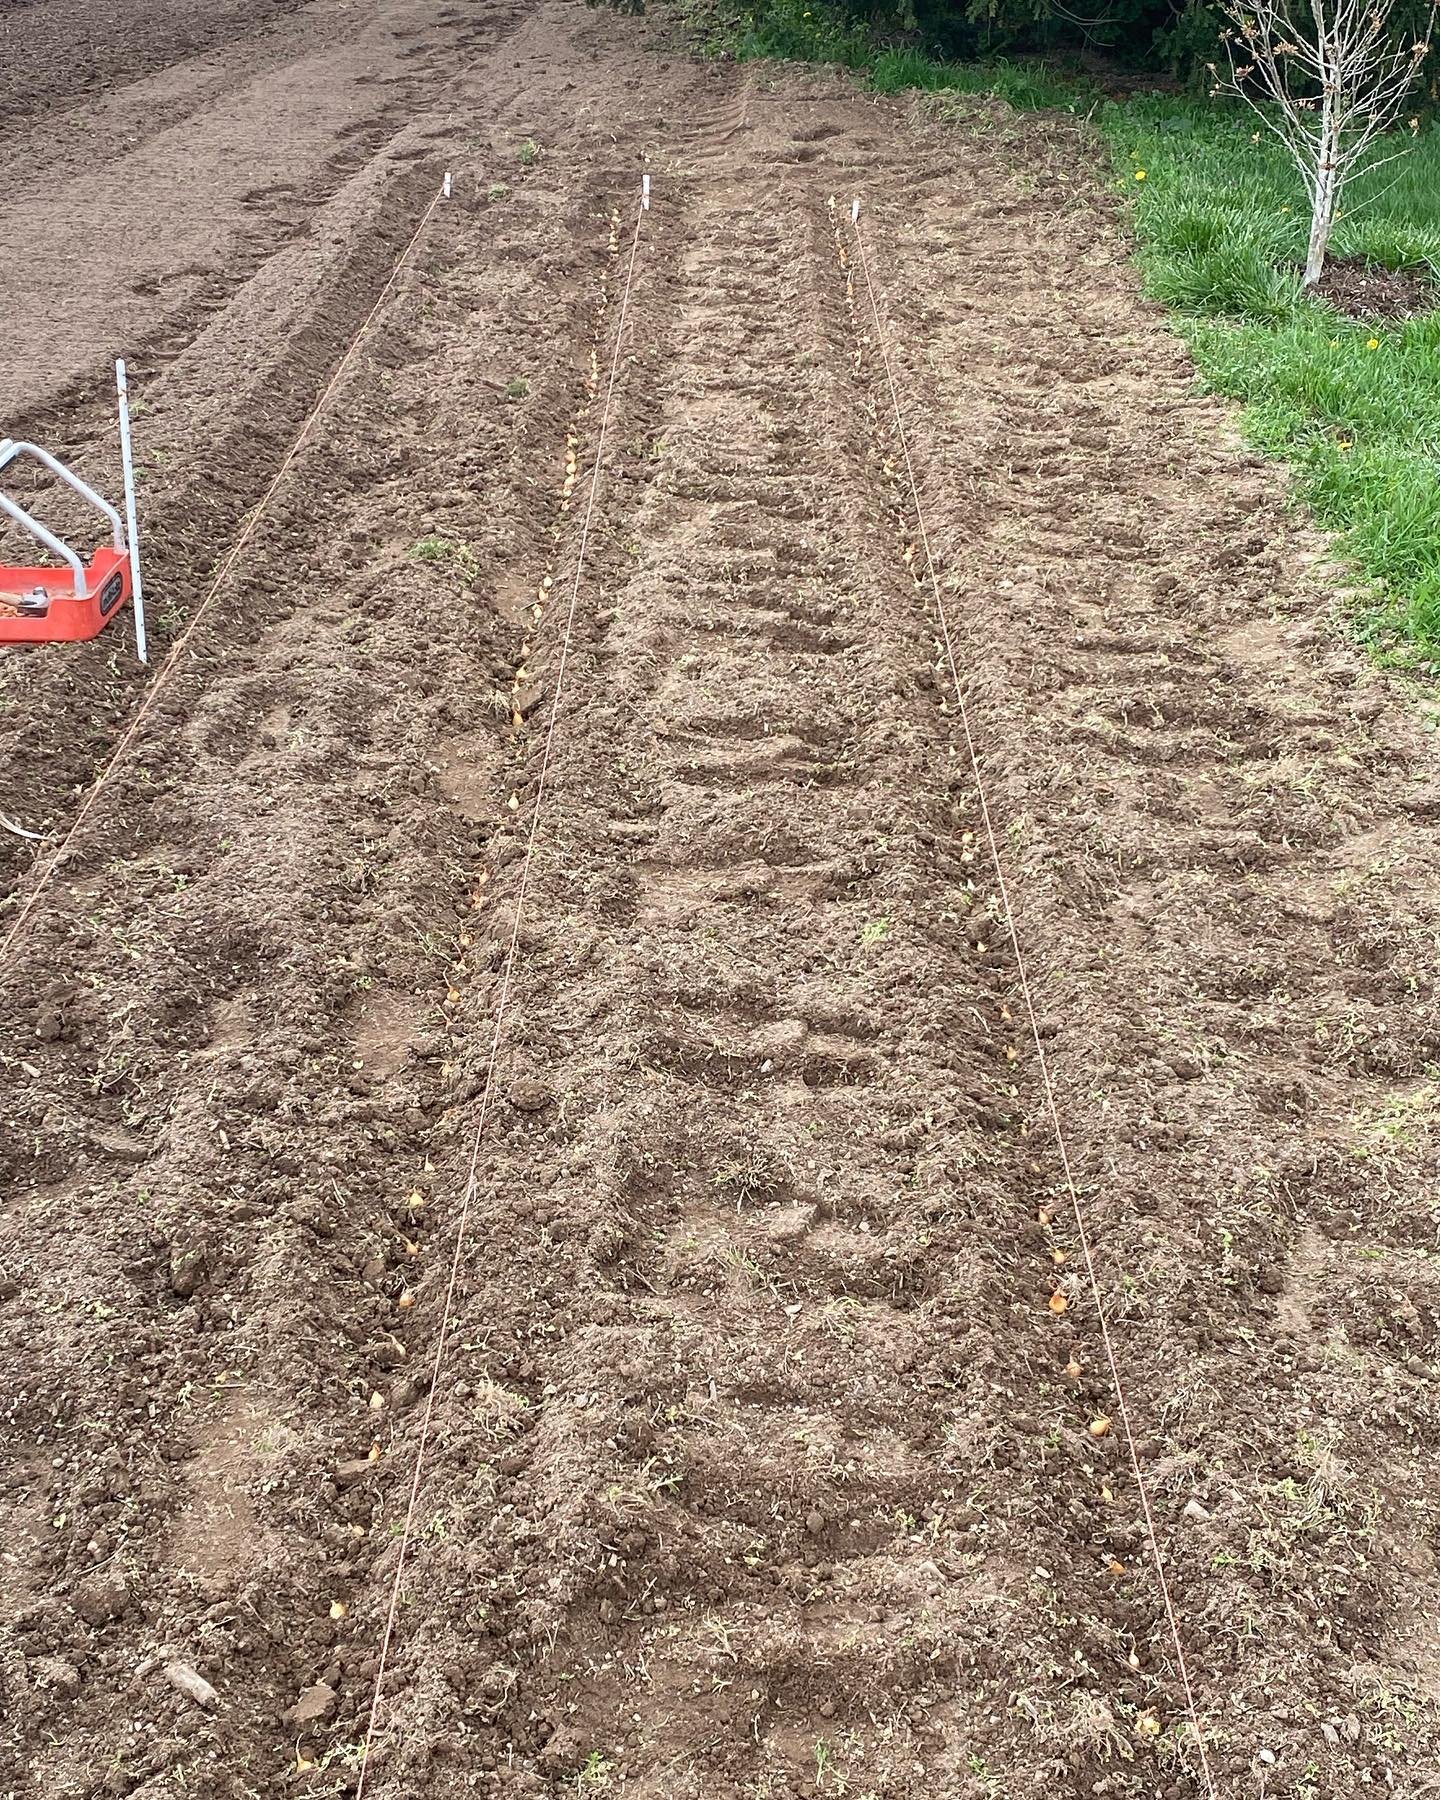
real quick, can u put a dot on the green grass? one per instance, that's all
(788, 28)
(1354, 406)
(1026, 85)
(1221, 224)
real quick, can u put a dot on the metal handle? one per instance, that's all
(10, 449)
(55, 545)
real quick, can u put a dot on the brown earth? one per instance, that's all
(1366, 291)
(756, 1469)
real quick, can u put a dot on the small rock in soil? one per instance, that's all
(191, 1684)
(313, 1707)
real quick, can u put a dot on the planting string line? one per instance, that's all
(506, 980)
(972, 749)
(218, 580)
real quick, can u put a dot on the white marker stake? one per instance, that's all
(446, 189)
(645, 192)
(854, 212)
(132, 529)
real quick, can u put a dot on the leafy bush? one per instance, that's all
(1135, 34)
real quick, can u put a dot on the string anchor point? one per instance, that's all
(645, 193)
(855, 211)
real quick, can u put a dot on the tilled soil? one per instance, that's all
(769, 1454)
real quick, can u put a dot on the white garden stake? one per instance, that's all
(446, 189)
(645, 192)
(132, 529)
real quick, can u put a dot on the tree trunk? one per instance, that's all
(1327, 193)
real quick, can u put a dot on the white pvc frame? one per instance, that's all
(10, 449)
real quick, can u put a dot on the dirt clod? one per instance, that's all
(529, 1094)
(102, 1599)
(314, 1706)
(57, 1675)
(187, 1272)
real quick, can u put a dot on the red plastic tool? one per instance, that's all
(43, 604)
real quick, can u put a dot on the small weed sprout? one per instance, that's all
(594, 1777)
(1403, 1124)
(447, 551)
(757, 1174)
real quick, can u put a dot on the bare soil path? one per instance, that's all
(766, 1461)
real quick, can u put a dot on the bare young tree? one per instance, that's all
(1328, 77)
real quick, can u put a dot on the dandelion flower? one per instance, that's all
(1374, 344)
(1139, 174)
